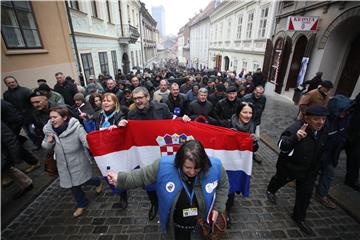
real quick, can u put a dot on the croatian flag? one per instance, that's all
(142, 142)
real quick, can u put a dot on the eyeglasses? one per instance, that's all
(247, 103)
(138, 98)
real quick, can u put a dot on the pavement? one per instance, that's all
(47, 214)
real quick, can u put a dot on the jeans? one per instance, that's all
(79, 195)
(327, 175)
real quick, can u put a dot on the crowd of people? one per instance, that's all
(57, 120)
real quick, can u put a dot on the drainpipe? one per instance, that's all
(141, 36)
(82, 82)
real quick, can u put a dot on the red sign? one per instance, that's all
(302, 23)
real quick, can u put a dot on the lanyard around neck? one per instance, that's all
(190, 195)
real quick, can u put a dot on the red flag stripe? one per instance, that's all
(145, 132)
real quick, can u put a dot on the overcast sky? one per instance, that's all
(177, 12)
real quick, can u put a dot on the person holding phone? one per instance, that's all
(301, 146)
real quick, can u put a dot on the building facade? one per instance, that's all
(158, 13)
(39, 45)
(238, 33)
(148, 37)
(331, 46)
(199, 38)
(107, 36)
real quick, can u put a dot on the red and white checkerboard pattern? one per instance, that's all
(168, 150)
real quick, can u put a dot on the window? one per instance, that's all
(235, 63)
(244, 65)
(128, 12)
(229, 30)
(249, 25)
(104, 66)
(133, 17)
(88, 65)
(221, 31)
(137, 58)
(108, 7)
(287, 4)
(263, 20)
(255, 66)
(74, 4)
(114, 62)
(94, 9)
(132, 58)
(239, 27)
(18, 25)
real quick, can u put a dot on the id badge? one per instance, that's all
(190, 212)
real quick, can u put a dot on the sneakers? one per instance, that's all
(78, 212)
(271, 197)
(325, 201)
(99, 188)
(32, 168)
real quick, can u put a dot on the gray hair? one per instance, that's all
(203, 90)
(141, 90)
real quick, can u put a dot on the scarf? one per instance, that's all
(107, 117)
(61, 129)
(242, 127)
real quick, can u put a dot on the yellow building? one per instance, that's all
(36, 42)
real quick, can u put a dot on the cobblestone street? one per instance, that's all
(50, 215)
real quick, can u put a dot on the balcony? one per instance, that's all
(128, 34)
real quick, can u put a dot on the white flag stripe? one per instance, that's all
(127, 160)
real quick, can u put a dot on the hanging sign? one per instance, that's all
(302, 23)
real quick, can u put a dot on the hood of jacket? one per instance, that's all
(337, 105)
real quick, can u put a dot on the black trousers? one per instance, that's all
(181, 234)
(304, 189)
(152, 197)
(352, 162)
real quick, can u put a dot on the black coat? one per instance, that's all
(301, 159)
(10, 147)
(156, 111)
(11, 116)
(180, 102)
(114, 120)
(19, 98)
(224, 110)
(68, 90)
(205, 109)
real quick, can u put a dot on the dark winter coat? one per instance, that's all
(336, 127)
(99, 119)
(19, 98)
(68, 90)
(156, 111)
(224, 109)
(301, 159)
(10, 147)
(197, 108)
(180, 102)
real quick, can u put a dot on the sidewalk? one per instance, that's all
(279, 113)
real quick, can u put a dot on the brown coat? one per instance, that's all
(315, 96)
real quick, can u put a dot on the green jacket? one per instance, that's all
(148, 175)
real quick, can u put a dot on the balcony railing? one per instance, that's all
(128, 34)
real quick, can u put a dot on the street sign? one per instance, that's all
(302, 23)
